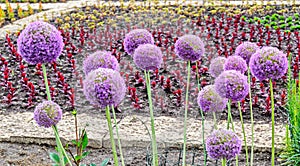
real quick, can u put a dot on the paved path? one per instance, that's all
(21, 128)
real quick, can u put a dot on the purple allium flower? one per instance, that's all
(189, 48)
(104, 87)
(232, 85)
(135, 38)
(148, 57)
(223, 144)
(236, 63)
(47, 114)
(40, 42)
(103, 59)
(267, 63)
(210, 101)
(246, 50)
(216, 66)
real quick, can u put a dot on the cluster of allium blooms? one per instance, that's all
(246, 50)
(216, 66)
(104, 87)
(223, 144)
(232, 85)
(189, 47)
(267, 63)
(103, 59)
(40, 42)
(236, 63)
(47, 114)
(210, 101)
(148, 57)
(135, 38)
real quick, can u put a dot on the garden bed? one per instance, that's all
(92, 28)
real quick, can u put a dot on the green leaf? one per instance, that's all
(92, 164)
(84, 154)
(85, 140)
(55, 164)
(78, 158)
(54, 157)
(104, 162)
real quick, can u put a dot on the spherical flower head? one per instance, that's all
(236, 63)
(223, 144)
(267, 63)
(135, 38)
(104, 87)
(246, 50)
(103, 59)
(189, 48)
(210, 101)
(47, 114)
(40, 42)
(231, 84)
(216, 66)
(148, 57)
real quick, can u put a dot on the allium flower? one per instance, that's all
(135, 38)
(103, 59)
(236, 63)
(223, 144)
(47, 114)
(246, 50)
(104, 87)
(267, 63)
(232, 85)
(216, 66)
(40, 42)
(148, 57)
(189, 47)
(210, 101)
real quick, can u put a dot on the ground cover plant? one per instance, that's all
(9, 15)
(95, 28)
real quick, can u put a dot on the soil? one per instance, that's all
(38, 155)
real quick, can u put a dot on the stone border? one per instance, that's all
(133, 131)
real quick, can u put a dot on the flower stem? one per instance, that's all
(185, 112)
(244, 134)
(46, 82)
(229, 117)
(111, 136)
(252, 121)
(215, 121)
(154, 146)
(273, 122)
(202, 118)
(117, 131)
(61, 150)
(223, 162)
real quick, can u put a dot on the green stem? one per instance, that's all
(244, 133)
(215, 121)
(154, 146)
(61, 149)
(46, 82)
(202, 118)
(229, 117)
(232, 125)
(273, 123)
(252, 121)
(117, 131)
(185, 112)
(111, 136)
(223, 162)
